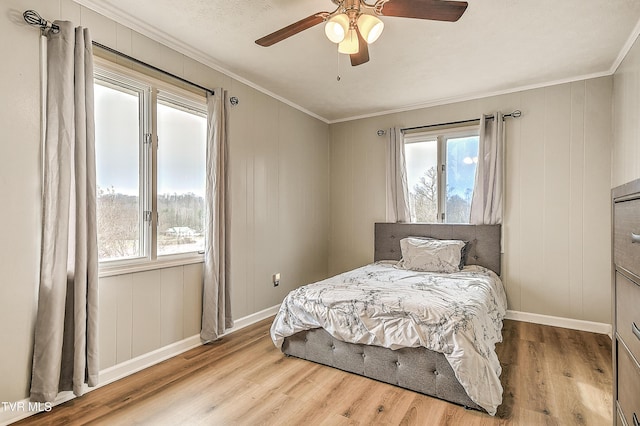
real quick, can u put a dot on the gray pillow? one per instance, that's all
(432, 255)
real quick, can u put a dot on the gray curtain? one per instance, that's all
(397, 188)
(66, 333)
(487, 200)
(216, 300)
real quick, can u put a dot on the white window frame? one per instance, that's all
(151, 90)
(441, 136)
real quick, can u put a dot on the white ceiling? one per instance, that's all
(497, 46)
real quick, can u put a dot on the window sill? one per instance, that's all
(106, 270)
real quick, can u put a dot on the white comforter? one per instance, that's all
(458, 314)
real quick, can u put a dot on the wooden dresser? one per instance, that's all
(626, 304)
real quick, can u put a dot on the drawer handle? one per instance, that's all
(635, 420)
(635, 238)
(635, 330)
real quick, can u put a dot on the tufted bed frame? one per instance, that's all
(417, 369)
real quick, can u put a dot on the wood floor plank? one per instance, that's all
(550, 376)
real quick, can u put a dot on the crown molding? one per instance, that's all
(123, 18)
(624, 51)
(162, 37)
(471, 97)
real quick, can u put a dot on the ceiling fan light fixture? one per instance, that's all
(354, 24)
(350, 44)
(370, 27)
(337, 27)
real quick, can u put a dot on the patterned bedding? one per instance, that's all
(458, 314)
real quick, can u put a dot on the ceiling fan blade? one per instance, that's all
(292, 29)
(363, 51)
(437, 10)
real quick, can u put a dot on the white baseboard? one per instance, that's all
(574, 324)
(127, 368)
(18, 410)
(253, 318)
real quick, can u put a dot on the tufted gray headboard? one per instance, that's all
(484, 249)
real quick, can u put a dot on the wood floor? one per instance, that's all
(551, 376)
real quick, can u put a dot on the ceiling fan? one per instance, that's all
(354, 24)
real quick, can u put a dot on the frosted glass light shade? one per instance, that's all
(370, 27)
(337, 27)
(350, 43)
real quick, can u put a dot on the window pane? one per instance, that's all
(117, 172)
(422, 179)
(462, 157)
(181, 179)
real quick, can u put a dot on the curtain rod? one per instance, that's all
(33, 18)
(139, 62)
(514, 114)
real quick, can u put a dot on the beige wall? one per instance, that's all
(279, 194)
(626, 119)
(557, 243)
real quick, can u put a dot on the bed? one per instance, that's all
(409, 345)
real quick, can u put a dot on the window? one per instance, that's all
(441, 169)
(150, 168)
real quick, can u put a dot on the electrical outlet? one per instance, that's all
(276, 279)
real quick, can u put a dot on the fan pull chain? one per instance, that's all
(338, 78)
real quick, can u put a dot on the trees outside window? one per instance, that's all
(441, 169)
(150, 167)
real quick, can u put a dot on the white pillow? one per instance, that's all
(430, 255)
